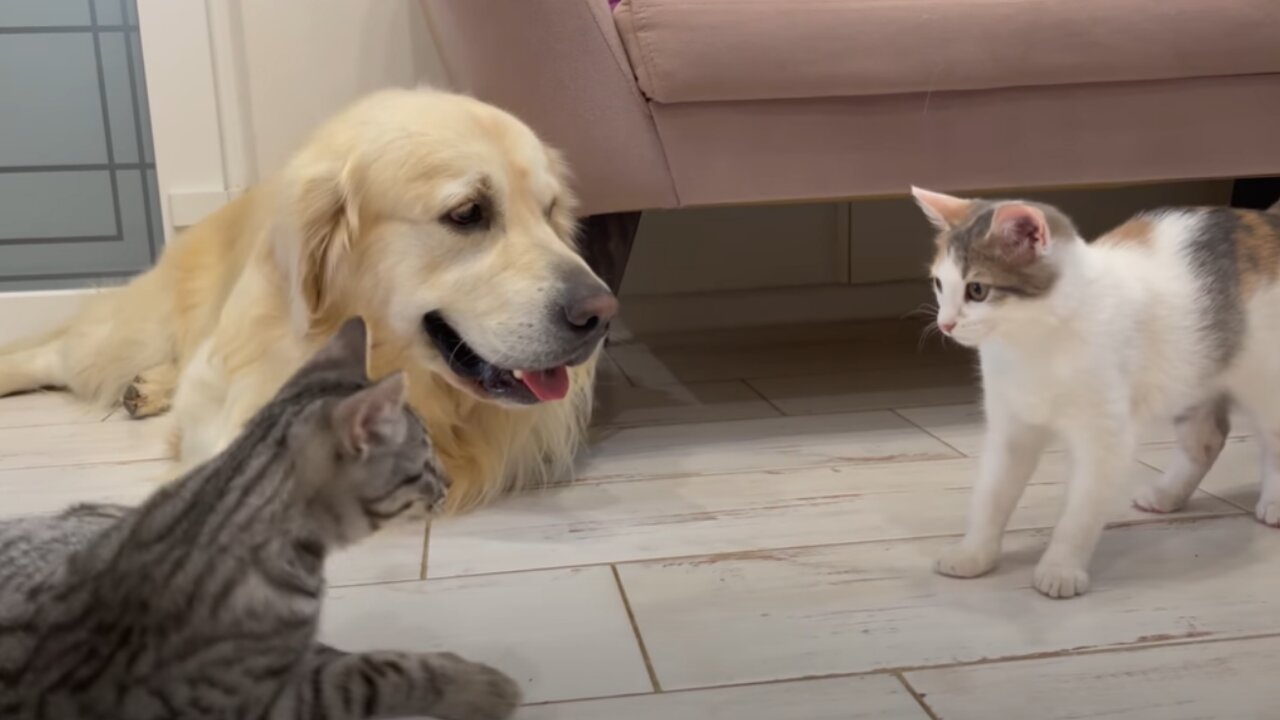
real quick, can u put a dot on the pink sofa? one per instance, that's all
(675, 103)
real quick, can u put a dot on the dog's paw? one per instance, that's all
(1268, 512)
(1060, 580)
(146, 398)
(475, 691)
(1153, 498)
(964, 560)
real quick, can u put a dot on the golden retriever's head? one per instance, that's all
(449, 222)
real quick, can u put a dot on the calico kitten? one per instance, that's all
(1173, 316)
(203, 602)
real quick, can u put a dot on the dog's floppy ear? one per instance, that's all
(314, 230)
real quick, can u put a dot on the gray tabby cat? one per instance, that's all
(203, 602)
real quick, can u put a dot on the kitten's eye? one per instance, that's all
(977, 292)
(937, 284)
(466, 215)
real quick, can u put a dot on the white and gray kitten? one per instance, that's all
(203, 602)
(1172, 317)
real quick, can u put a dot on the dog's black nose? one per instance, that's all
(588, 311)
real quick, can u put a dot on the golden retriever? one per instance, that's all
(441, 220)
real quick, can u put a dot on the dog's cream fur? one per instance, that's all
(350, 227)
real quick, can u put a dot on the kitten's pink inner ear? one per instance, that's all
(1023, 227)
(944, 211)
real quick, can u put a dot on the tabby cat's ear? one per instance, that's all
(944, 211)
(349, 347)
(372, 417)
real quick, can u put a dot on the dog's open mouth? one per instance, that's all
(514, 385)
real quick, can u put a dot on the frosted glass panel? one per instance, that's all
(44, 205)
(78, 197)
(43, 13)
(52, 110)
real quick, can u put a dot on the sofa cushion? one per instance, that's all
(700, 50)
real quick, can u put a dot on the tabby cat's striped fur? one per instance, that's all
(203, 602)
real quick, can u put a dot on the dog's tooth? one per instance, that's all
(518, 373)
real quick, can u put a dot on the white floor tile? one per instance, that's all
(962, 427)
(82, 444)
(771, 443)
(46, 490)
(1234, 477)
(878, 697)
(563, 634)
(593, 523)
(785, 614)
(50, 408)
(624, 405)
(1223, 681)
(394, 553)
(870, 390)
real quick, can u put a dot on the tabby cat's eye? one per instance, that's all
(466, 215)
(937, 284)
(977, 292)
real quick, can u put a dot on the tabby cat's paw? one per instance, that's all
(1060, 580)
(964, 560)
(477, 692)
(1153, 498)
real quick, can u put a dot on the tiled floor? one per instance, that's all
(750, 538)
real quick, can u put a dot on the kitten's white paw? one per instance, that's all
(1060, 581)
(1268, 512)
(964, 560)
(1154, 499)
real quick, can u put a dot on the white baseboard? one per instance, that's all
(23, 314)
(643, 314)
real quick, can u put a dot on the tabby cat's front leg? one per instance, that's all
(354, 686)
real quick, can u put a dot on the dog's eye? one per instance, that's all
(977, 292)
(466, 215)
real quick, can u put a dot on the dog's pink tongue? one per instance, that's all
(547, 385)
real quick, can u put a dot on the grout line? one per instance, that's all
(924, 430)
(1151, 520)
(1215, 496)
(772, 469)
(899, 672)
(618, 366)
(772, 404)
(1242, 508)
(916, 695)
(426, 549)
(635, 629)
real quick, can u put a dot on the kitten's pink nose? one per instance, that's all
(947, 327)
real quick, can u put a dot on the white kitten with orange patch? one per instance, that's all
(1173, 316)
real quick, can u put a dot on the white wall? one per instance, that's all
(306, 59)
(235, 85)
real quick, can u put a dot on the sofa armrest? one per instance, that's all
(560, 66)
